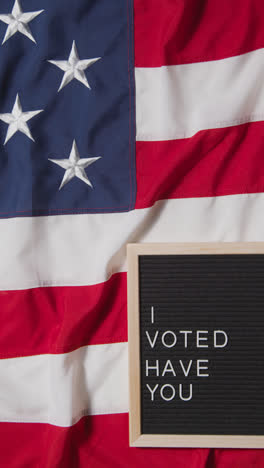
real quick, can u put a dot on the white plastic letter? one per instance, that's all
(218, 332)
(152, 391)
(152, 314)
(174, 339)
(185, 333)
(168, 368)
(201, 338)
(172, 394)
(186, 372)
(190, 393)
(152, 342)
(156, 368)
(199, 367)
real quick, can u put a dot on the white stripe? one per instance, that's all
(177, 101)
(60, 389)
(87, 249)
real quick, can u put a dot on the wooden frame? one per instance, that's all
(136, 438)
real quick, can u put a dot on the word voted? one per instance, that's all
(187, 338)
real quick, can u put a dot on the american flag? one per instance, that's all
(120, 121)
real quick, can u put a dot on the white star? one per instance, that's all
(17, 120)
(74, 166)
(18, 22)
(74, 67)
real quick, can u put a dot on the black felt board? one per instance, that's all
(204, 292)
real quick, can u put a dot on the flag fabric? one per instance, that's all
(120, 121)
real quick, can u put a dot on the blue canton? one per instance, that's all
(67, 131)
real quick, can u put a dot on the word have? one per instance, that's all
(169, 368)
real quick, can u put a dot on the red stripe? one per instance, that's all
(61, 319)
(215, 162)
(102, 442)
(170, 32)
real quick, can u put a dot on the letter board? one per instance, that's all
(196, 349)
